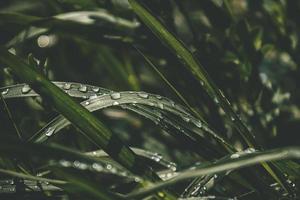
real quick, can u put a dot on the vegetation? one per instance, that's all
(149, 99)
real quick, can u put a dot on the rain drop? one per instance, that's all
(96, 89)
(115, 95)
(160, 105)
(82, 88)
(186, 119)
(143, 95)
(25, 89)
(198, 124)
(67, 86)
(109, 166)
(250, 150)
(50, 131)
(216, 100)
(4, 92)
(236, 155)
(97, 167)
(158, 97)
(115, 103)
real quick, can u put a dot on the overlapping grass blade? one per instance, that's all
(79, 116)
(236, 162)
(130, 100)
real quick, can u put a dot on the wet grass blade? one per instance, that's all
(79, 116)
(188, 59)
(236, 162)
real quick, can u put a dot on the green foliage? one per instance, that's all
(229, 132)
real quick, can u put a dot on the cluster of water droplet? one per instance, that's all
(281, 191)
(98, 167)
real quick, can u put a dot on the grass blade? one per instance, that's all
(231, 164)
(79, 116)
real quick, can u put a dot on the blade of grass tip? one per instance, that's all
(169, 84)
(132, 78)
(81, 118)
(230, 164)
(18, 132)
(188, 59)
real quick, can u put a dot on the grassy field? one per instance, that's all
(161, 99)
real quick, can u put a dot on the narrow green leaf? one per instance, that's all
(236, 162)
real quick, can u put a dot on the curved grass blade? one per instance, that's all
(237, 161)
(143, 153)
(80, 117)
(120, 98)
(90, 92)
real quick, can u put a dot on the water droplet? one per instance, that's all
(115, 95)
(160, 105)
(4, 92)
(96, 89)
(158, 97)
(236, 155)
(185, 118)
(82, 88)
(143, 95)
(250, 150)
(202, 83)
(198, 124)
(50, 131)
(156, 157)
(115, 103)
(109, 166)
(65, 163)
(67, 86)
(216, 100)
(25, 89)
(172, 166)
(97, 167)
(277, 188)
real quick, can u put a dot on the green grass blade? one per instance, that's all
(236, 162)
(188, 59)
(78, 115)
